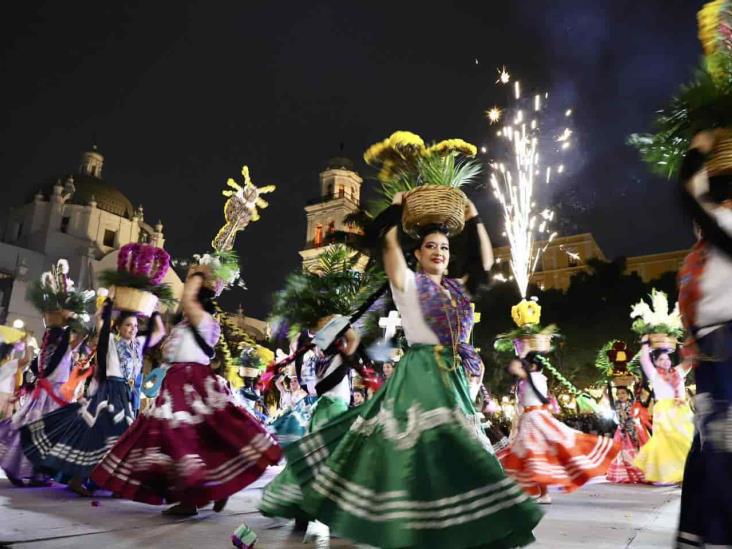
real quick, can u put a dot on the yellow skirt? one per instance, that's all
(662, 459)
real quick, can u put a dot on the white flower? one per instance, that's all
(640, 310)
(63, 266)
(88, 295)
(49, 281)
(84, 317)
(674, 320)
(659, 300)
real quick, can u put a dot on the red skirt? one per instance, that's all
(622, 470)
(193, 446)
(545, 452)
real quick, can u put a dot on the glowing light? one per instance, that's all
(568, 113)
(503, 76)
(513, 185)
(18, 324)
(484, 150)
(494, 115)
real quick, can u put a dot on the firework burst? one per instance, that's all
(514, 180)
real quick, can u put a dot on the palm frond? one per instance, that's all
(703, 104)
(336, 287)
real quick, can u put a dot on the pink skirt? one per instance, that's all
(193, 446)
(622, 470)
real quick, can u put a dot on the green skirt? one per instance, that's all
(282, 497)
(412, 468)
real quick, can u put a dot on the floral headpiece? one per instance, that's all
(55, 291)
(142, 267)
(658, 319)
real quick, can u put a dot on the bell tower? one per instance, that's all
(340, 195)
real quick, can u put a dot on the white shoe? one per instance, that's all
(543, 500)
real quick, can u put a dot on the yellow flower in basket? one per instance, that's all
(526, 313)
(449, 146)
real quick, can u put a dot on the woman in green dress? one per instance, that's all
(412, 466)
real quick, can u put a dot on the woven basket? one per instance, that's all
(246, 371)
(719, 162)
(132, 299)
(54, 319)
(662, 341)
(623, 380)
(434, 205)
(536, 343)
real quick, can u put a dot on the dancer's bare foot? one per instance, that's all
(220, 504)
(76, 486)
(181, 510)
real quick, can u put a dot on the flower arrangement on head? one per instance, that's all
(254, 360)
(220, 267)
(240, 209)
(57, 298)
(615, 363)
(335, 287)
(664, 328)
(529, 334)
(138, 279)
(431, 177)
(703, 104)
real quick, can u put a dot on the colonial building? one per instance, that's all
(79, 217)
(565, 256)
(340, 195)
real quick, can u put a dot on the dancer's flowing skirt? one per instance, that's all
(663, 457)
(622, 470)
(12, 458)
(193, 446)
(706, 497)
(412, 468)
(283, 497)
(293, 424)
(73, 439)
(545, 452)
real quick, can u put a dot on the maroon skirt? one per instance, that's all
(193, 446)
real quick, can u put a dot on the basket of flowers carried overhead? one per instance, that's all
(138, 280)
(58, 300)
(432, 178)
(663, 327)
(529, 336)
(705, 103)
(615, 364)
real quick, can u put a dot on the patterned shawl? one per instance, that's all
(447, 320)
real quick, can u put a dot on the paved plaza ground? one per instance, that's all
(597, 516)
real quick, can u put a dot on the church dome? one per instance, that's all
(340, 163)
(88, 188)
(89, 185)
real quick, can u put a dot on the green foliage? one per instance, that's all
(434, 169)
(703, 104)
(594, 308)
(336, 288)
(140, 282)
(46, 300)
(603, 364)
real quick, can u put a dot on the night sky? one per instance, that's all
(178, 95)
